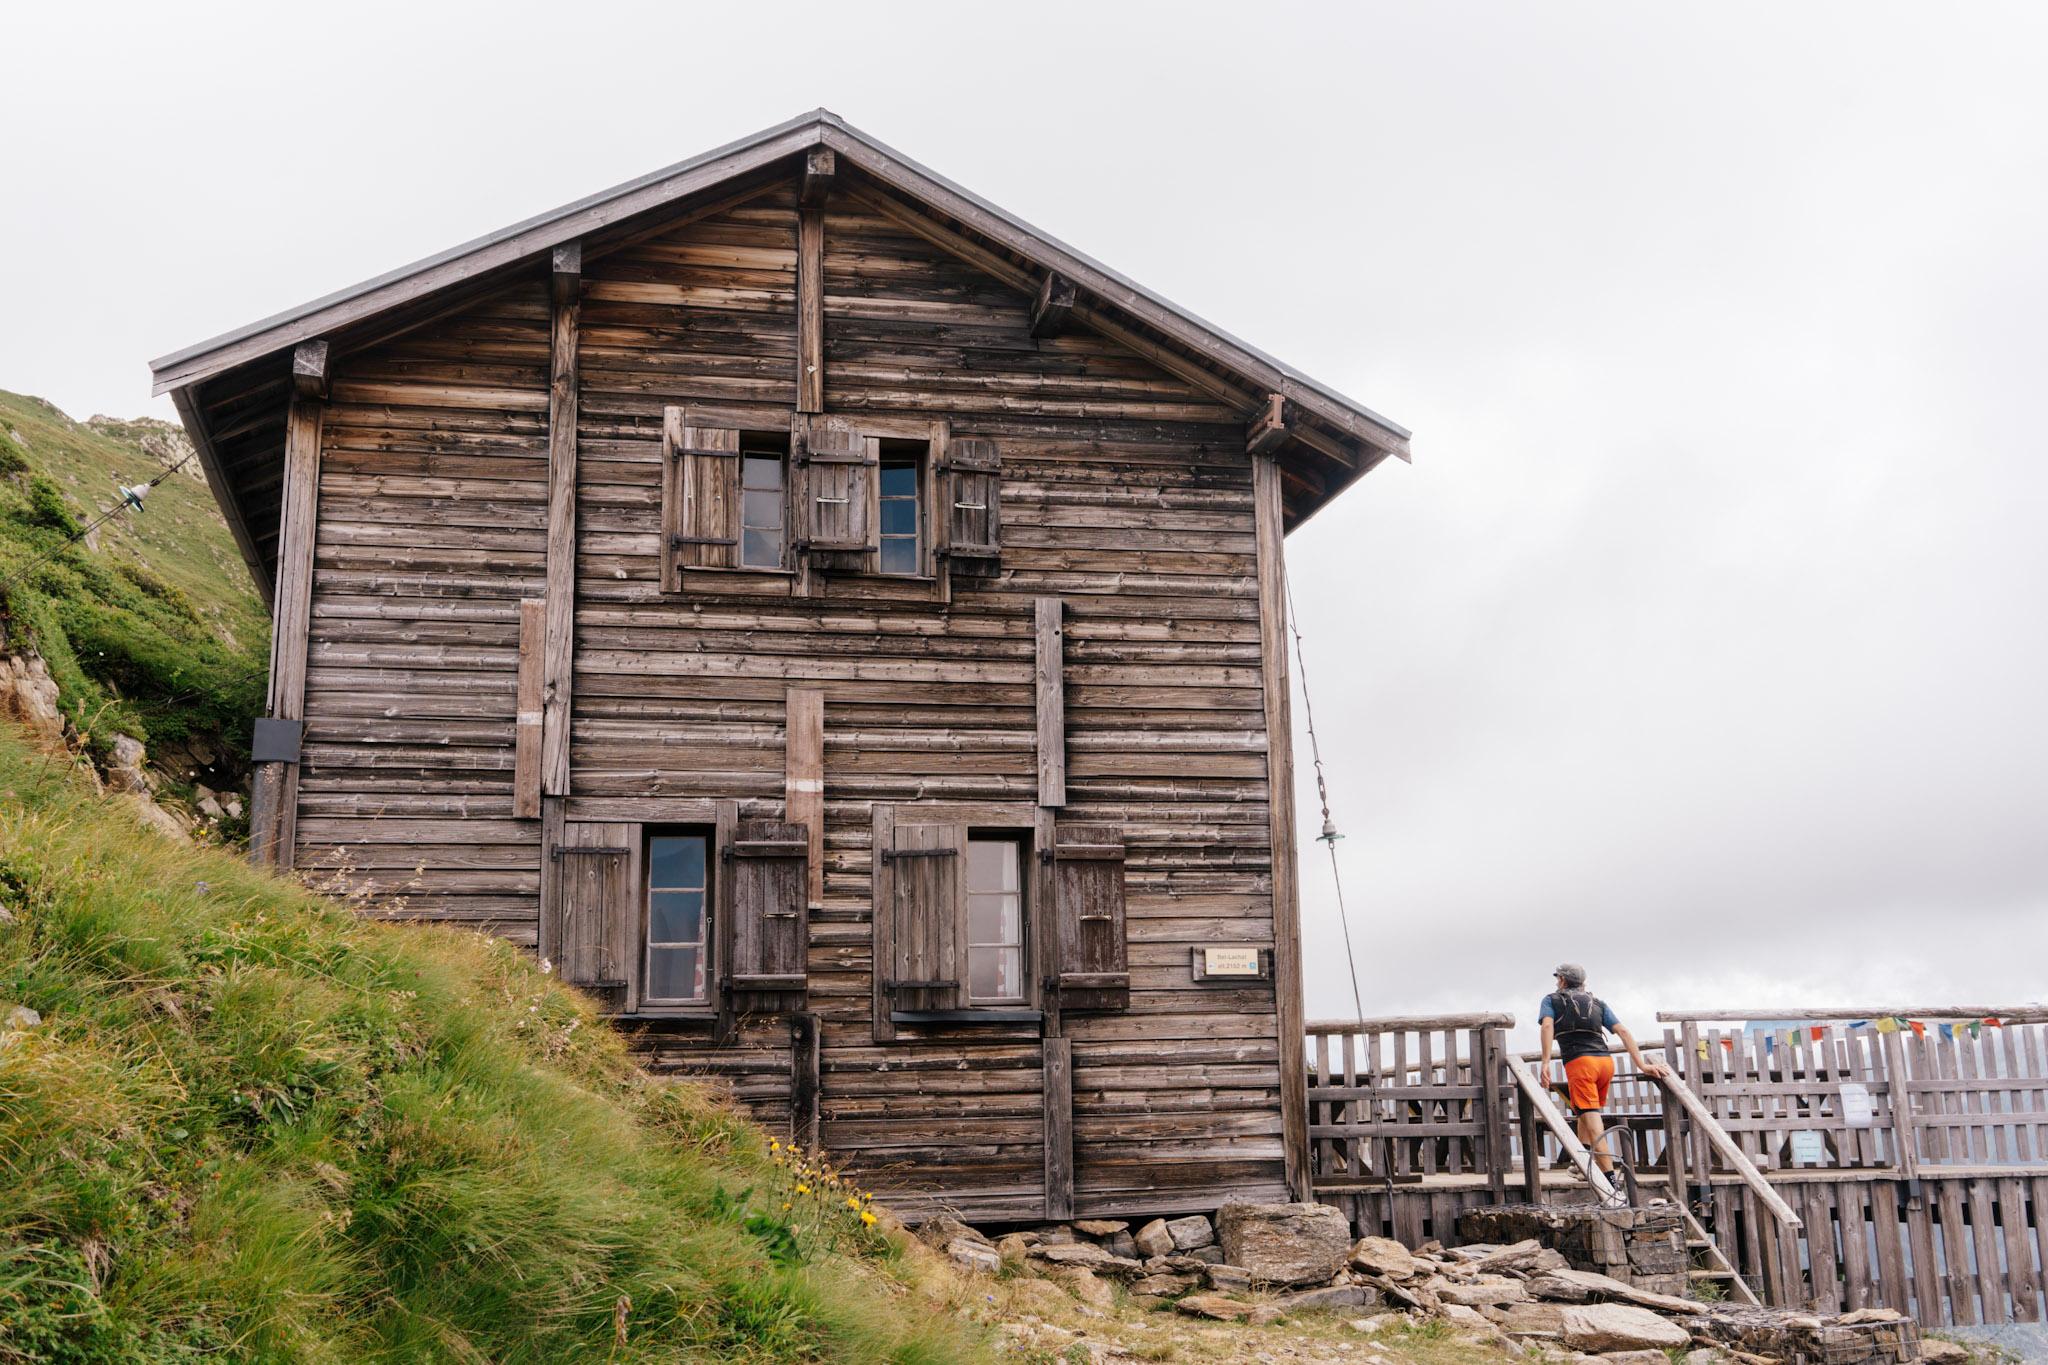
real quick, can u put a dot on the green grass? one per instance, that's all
(253, 1126)
(157, 633)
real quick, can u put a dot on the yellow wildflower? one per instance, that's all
(785, 1206)
(803, 1189)
(852, 1203)
(774, 1146)
(867, 1218)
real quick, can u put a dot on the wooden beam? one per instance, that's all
(803, 784)
(821, 164)
(566, 267)
(1052, 704)
(1267, 430)
(803, 1081)
(271, 843)
(309, 369)
(1411, 1023)
(1268, 516)
(1053, 305)
(1057, 1090)
(526, 720)
(810, 310)
(1704, 1120)
(559, 645)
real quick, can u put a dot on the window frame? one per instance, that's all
(920, 499)
(1032, 829)
(782, 530)
(1019, 845)
(712, 925)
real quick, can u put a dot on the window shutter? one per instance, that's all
(972, 498)
(924, 871)
(839, 478)
(1089, 955)
(590, 918)
(767, 865)
(700, 498)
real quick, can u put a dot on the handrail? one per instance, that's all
(1426, 1023)
(1534, 1094)
(2008, 1014)
(1725, 1145)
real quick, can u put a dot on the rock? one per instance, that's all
(211, 808)
(1228, 1277)
(1100, 1227)
(1460, 1316)
(1190, 1232)
(1534, 1320)
(942, 1228)
(1218, 1307)
(1121, 1244)
(1332, 1296)
(1153, 1239)
(1088, 1256)
(1370, 1325)
(1604, 1327)
(1083, 1285)
(1284, 1243)
(28, 694)
(1636, 1358)
(1165, 1286)
(1058, 1232)
(1528, 1256)
(1579, 1286)
(1488, 1291)
(1209, 1255)
(20, 1017)
(1263, 1314)
(975, 1256)
(1012, 1246)
(150, 815)
(1384, 1256)
(1869, 1315)
(233, 806)
(124, 765)
(1936, 1349)
(1706, 1355)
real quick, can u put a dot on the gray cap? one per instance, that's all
(1572, 972)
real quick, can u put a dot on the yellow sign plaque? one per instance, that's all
(1230, 961)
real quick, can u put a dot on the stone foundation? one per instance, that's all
(1641, 1247)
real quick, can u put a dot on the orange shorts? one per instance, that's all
(1588, 1078)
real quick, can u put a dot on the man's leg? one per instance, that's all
(1591, 1129)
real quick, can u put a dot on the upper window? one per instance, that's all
(995, 921)
(902, 528)
(678, 965)
(762, 506)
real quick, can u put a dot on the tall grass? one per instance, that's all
(252, 1125)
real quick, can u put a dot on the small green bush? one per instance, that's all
(49, 507)
(13, 459)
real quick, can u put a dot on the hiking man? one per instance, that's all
(1577, 1022)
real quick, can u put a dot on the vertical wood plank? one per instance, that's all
(1927, 1283)
(1486, 1060)
(1955, 1254)
(1856, 1276)
(526, 722)
(1984, 1236)
(803, 780)
(810, 310)
(1818, 1214)
(1269, 520)
(1051, 675)
(1059, 1127)
(2019, 1253)
(558, 652)
(804, 1080)
(1899, 1094)
(271, 841)
(1895, 1290)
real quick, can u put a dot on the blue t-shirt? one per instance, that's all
(1571, 1045)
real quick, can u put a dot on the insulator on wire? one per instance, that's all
(1329, 834)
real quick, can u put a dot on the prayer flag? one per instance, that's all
(1887, 1026)
(1975, 1025)
(1948, 1032)
(1919, 1029)
(1819, 1031)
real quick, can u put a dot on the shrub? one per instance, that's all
(49, 507)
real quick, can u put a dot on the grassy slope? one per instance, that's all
(252, 1124)
(158, 633)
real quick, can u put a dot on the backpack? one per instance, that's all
(1579, 1011)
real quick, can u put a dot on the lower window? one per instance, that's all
(995, 921)
(678, 963)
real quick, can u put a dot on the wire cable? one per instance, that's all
(121, 504)
(1329, 837)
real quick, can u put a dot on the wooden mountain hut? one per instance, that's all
(834, 623)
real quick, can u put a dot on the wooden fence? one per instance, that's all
(1916, 1161)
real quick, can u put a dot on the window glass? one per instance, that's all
(995, 921)
(761, 511)
(902, 548)
(676, 960)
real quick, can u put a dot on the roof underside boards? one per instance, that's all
(233, 391)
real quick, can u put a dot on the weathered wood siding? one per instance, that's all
(432, 526)
(1125, 493)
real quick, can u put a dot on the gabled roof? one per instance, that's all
(1349, 436)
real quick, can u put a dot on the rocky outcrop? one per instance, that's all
(1284, 1244)
(28, 696)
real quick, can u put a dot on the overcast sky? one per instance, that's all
(1705, 641)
